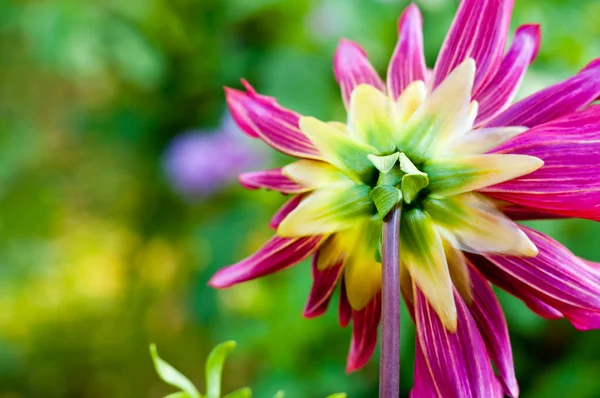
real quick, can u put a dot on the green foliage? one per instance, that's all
(214, 370)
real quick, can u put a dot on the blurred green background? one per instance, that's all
(102, 253)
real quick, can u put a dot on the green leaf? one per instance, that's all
(338, 395)
(412, 184)
(279, 394)
(172, 376)
(214, 368)
(384, 163)
(385, 198)
(406, 165)
(244, 392)
(180, 394)
(413, 181)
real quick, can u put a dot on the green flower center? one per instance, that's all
(398, 180)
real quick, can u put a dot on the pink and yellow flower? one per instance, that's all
(446, 145)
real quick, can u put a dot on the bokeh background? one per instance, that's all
(118, 197)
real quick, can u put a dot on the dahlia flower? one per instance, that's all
(443, 164)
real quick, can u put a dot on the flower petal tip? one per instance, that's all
(534, 31)
(313, 311)
(450, 321)
(219, 280)
(353, 365)
(411, 12)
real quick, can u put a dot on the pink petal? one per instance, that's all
(324, 284)
(568, 183)
(270, 179)
(408, 61)
(351, 68)
(277, 254)
(558, 278)
(364, 334)
(459, 361)
(423, 386)
(479, 31)
(513, 286)
(261, 116)
(553, 102)
(498, 93)
(284, 210)
(344, 308)
(490, 320)
(518, 213)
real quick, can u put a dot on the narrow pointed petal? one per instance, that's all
(362, 273)
(423, 386)
(408, 61)
(558, 278)
(492, 326)
(277, 254)
(340, 149)
(518, 213)
(498, 93)
(324, 284)
(443, 115)
(313, 174)
(352, 68)
(326, 211)
(459, 272)
(335, 249)
(273, 180)
(364, 335)
(284, 210)
(478, 226)
(478, 31)
(483, 140)
(344, 308)
(451, 176)
(553, 102)
(459, 362)
(513, 286)
(371, 118)
(409, 101)
(423, 255)
(261, 116)
(568, 184)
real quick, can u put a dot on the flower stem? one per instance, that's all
(389, 366)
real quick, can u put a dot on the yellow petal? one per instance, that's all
(422, 252)
(362, 274)
(325, 211)
(339, 149)
(410, 100)
(314, 174)
(445, 114)
(339, 126)
(477, 225)
(459, 271)
(454, 175)
(371, 118)
(335, 249)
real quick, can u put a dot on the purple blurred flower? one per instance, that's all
(199, 163)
